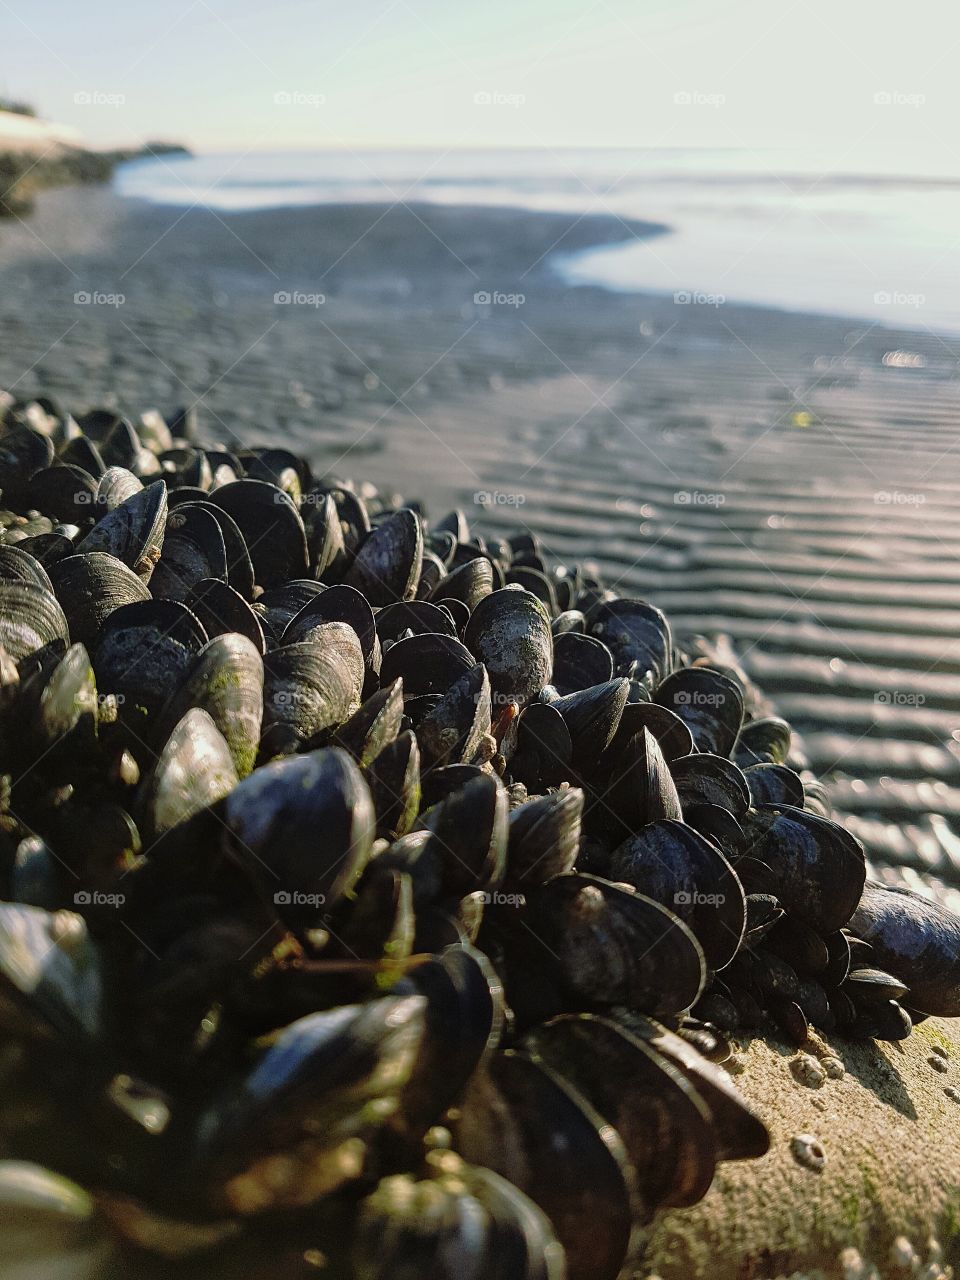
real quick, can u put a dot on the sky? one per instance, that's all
(242, 75)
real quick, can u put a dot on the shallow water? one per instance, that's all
(871, 236)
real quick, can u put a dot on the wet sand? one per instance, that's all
(758, 473)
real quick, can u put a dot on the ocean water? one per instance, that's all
(869, 236)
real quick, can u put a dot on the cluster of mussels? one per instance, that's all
(378, 896)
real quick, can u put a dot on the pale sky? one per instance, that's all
(241, 75)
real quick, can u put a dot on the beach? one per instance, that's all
(756, 473)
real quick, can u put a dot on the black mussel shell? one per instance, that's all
(31, 619)
(456, 729)
(673, 864)
(226, 681)
(416, 616)
(133, 531)
(194, 770)
(469, 831)
(193, 549)
(637, 634)
(544, 838)
(144, 651)
(304, 826)
(509, 632)
(468, 583)
(774, 784)
(528, 1124)
(663, 1122)
(579, 662)
(221, 609)
(709, 703)
(427, 663)
(917, 940)
(708, 779)
(90, 587)
(387, 564)
(763, 741)
(271, 528)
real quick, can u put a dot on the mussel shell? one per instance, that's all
(673, 864)
(763, 741)
(60, 727)
(340, 603)
(740, 1133)
(468, 583)
(30, 619)
(427, 663)
(704, 778)
(311, 686)
(17, 564)
(65, 492)
(613, 947)
(114, 487)
(710, 704)
(455, 729)
(544, 748)
(774, 784)
(525, 1122)
(509, 632)
(664, 1123)
(637, 634)
(915, 939)
(226, 681)
(133, 530)
(374, 725)
(194, 770)
(304, 826)
(83, 453)
(416, 616)
(325, 545)
(592, 717)
(221, 609)
(271, 528)
(463, 1221)
(464, 1021)
(51, 974)
(90, 587)
(579, 662)
(469, 830)
(818, 865)
(544, 838)
(314, 1079)
(394, 781)
(387, 565)
(23, 452)
(641, 788)
(145, 649)
(193, 549)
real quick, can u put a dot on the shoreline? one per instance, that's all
(759, 472)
